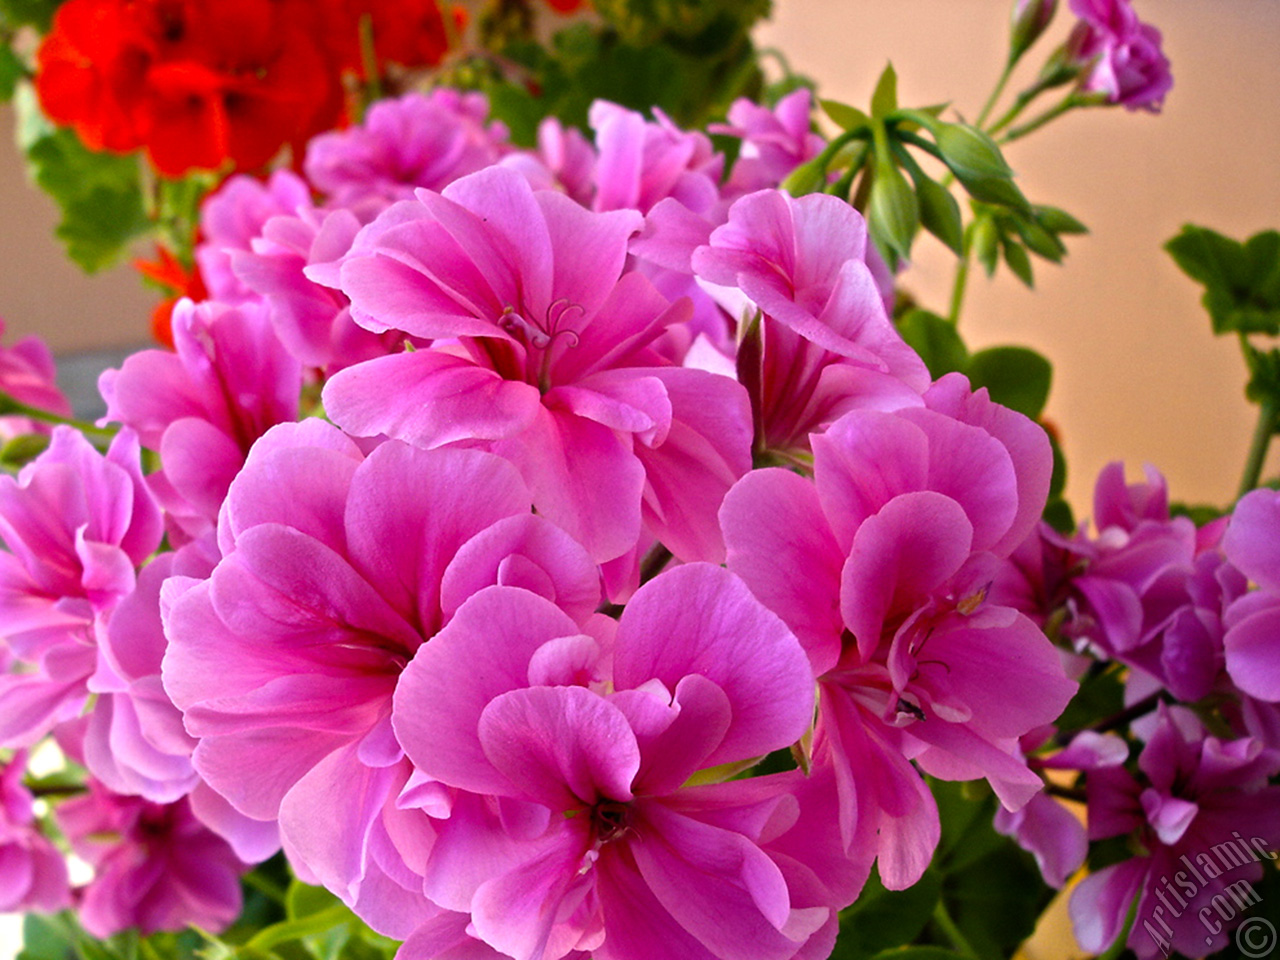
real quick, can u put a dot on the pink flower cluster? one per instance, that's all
(519, 503)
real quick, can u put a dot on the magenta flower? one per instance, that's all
(1128, 65)
(27, 375)
(417, 140)
(33, 874)
(828, 345)
(882, 568)
(547, 362)
(774, 141)
(641, 162)
(203, 407)
(232, 217)
(76, 525)
(133, 739)
(586, 749)
(156, 867)
(1252, 642)
(1203, 812)
(336, 567)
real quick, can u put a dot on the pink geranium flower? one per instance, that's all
(1124, 54)
(76, 525)
(1195, 807)
(881, 567)
(417, 140)
(583, 833)
(336, 567)
(27, 375)
(33, 873)
(156, 867)
(542, 356)
(203, 406)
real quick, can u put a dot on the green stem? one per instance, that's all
(369, 60)
(952, 932)
(1118, 947)
(995, 93)
(12, 407)
(264, 886)
(1268, 412)
(961, 281)
(1065, 105)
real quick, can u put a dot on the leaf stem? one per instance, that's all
(1268, 412)
(995, 93)
(10, 406)
(951, 930)
(962, 279)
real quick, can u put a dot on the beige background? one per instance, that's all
(1138, 376)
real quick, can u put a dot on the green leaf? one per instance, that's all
(1241, 280)
(807, 178)
(1100, 695)
(1016, 377)
(919, 953)
(936, 340)
(996, 899)
(1058, 514)
(304, 900)
(99, 193)
(28, 13)
(880, 919)
(12, 69)
(940, 214)
(1198, 513)
(47, 937)
(885, 99)
(1015, 255)
(892, 213)
(845, 116)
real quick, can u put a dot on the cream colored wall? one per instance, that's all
(1138, 375)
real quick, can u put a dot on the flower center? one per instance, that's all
(610, 820)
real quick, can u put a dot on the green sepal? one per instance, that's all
(1016, 377)
(885, 99)
(985, 242)
(940, 214)
(892, 212)
(936, 340)
(843, 115)
(23, 449)
(1015, 255)
(1057, 221)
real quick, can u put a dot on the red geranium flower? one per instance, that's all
(198, 83)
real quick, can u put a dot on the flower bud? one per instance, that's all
(1030, 19)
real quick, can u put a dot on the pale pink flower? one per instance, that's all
(336, 567)
(156, 867)
(202, 407)
(881, 567)
(76, 525)
(581, 832)
(33, 873)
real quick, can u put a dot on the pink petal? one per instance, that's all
(560, 746)
(437, 399)
(727, 636)
(781, 545)
(483, 653)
